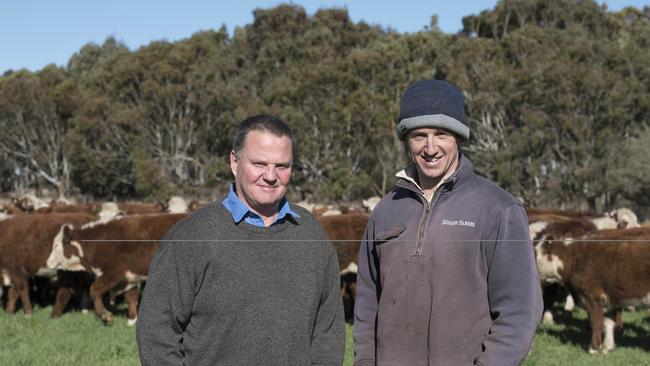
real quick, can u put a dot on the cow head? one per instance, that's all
(66, 254)
(177, 204)
(23, 204)
(548, 262)
(624, 217)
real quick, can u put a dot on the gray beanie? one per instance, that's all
(433, 103)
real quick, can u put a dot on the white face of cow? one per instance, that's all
(536, 227)
(604, 223)
(177, 205)
(57, 258)
(548, 264)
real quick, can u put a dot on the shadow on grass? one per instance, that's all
(575, 330)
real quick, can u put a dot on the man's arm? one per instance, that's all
(514, 291)
(365, 306)
(166, 304)
(328, 340)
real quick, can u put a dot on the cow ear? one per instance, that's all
(193, 205)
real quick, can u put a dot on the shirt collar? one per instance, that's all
(240, 211)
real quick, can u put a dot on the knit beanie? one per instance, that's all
(433, 103)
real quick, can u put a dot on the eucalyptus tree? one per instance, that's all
(34, 113)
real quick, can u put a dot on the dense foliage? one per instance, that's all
(558, 94)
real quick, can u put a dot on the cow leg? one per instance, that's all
(63, 295)
(65, 281)
(608, 342)
(22, 286)
(12, 297)
(618, 318)
(132, 297)
(549, 295)
(569, 304)
(100, 286)
(595, 312)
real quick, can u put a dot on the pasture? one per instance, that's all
(76, 338)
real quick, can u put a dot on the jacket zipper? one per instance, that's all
(424, 222)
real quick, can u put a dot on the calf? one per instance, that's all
(25, 243)
(606, 270)
(117, 253)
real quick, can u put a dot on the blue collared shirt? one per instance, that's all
(240, 211)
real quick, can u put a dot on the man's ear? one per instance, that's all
(233, 163)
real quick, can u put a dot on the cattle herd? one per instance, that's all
(103, 250)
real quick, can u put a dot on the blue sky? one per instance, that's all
(34, 33)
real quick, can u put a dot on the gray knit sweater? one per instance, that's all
(220, 293)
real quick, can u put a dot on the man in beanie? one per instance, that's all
(447, 273)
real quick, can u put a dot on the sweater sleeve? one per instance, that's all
(328, 338)
(514, 291)
(166, 304)
(366, 302)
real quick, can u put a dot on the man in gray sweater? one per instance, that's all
(250, 280)
(447, 273)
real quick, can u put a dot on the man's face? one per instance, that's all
(435, 153)
(262, 171)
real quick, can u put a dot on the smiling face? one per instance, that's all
(262, 171)
(435, 153)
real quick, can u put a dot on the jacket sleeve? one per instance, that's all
(514, 291)
(328, 339)
(166, 304)
(366, 302)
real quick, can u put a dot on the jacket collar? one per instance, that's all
(407, 177)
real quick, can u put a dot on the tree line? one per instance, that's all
(557, 93)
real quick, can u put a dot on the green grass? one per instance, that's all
(81, 339)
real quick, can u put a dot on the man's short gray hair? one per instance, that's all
(261, 122)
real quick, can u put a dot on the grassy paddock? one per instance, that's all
(80, 339)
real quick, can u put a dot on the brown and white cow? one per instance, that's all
(560, 230)
(605, 270)
(25, 244)
(346, 232)
(619, 218)
(571, 224)
(117, 253)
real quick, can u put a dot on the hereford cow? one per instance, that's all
(606, 270)
(25, 243)
(619, 218)
(346, 232)
(570, 229)
(118, 253)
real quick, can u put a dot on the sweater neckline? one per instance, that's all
(273, 229)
